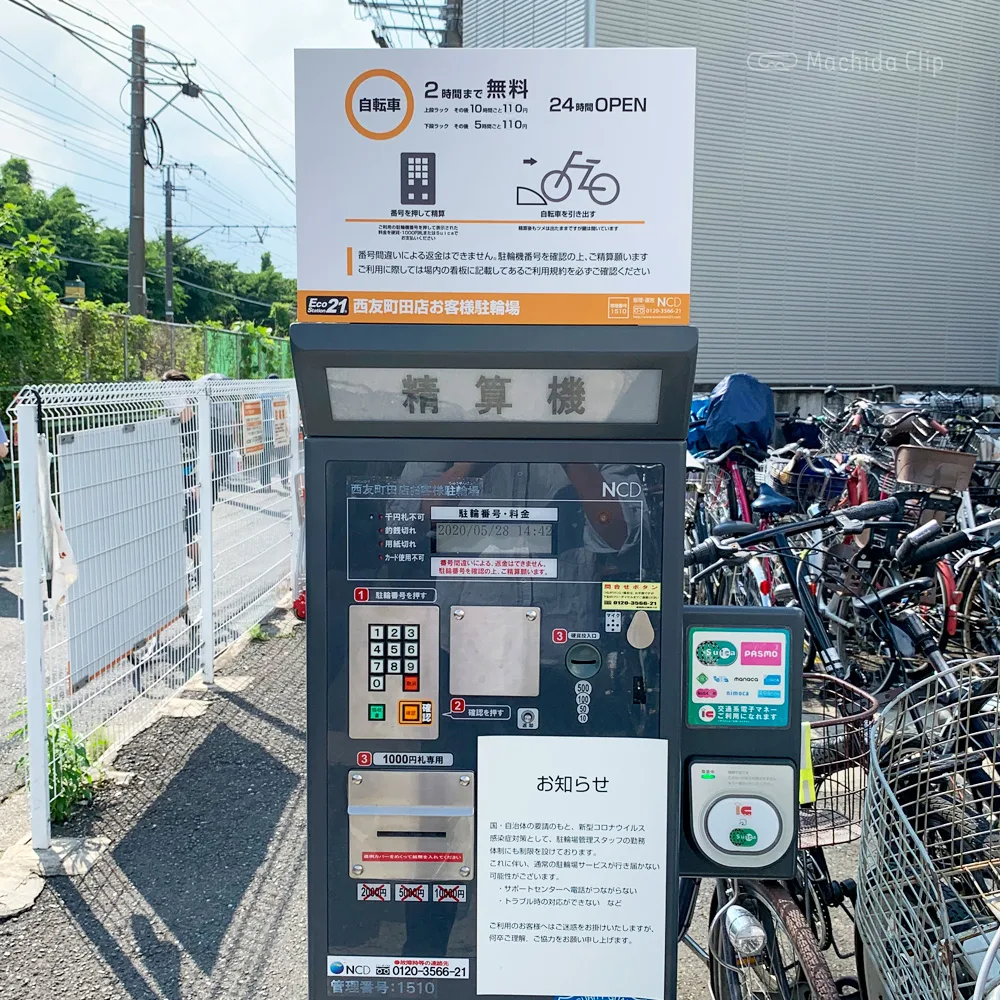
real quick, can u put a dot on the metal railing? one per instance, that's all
(156, 525)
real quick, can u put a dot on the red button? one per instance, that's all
(361, 594)
(457, 706)
(559, 635)
(364, 758)
(411, 683)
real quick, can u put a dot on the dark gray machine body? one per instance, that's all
(407, 645)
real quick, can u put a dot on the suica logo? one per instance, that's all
(622, 490)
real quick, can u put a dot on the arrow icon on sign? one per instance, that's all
(531, 161)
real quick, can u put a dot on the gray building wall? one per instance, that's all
(523, 23)
(846, 211)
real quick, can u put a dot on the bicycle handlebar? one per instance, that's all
(705, 553)
(925, 533)
(932, 551)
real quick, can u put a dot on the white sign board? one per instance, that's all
(495, 185)
(571, 864)
(279, 410)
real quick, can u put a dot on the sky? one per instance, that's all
(65, 109)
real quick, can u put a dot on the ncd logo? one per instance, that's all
(338, 968)
(625, 490)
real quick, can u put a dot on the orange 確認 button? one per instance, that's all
(409, 711)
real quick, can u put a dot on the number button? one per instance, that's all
(394, 666)
(376, 683)
(394, 649)
(376, 666)
(412, 649)
(411, 667)
(376, 649)
(376, 632)
(394, 632)
(411, 632)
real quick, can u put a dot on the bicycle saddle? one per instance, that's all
(872, 603)
(769, 501)
(734, 529)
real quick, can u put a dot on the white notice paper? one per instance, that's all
(571, 866)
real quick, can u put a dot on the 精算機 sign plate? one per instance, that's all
(738, 677)
(495, 185)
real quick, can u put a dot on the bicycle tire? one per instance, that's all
(609, 201)
(569, 186)
(972, 586)
(784, 911)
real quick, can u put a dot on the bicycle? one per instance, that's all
(557, 185)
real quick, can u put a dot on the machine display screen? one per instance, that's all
(494, 538)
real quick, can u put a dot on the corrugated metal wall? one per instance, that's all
(529, 23)
(846, 220)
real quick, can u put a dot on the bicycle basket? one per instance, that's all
(929, 873)
(937, 467)
(839, 716)
(808, 480)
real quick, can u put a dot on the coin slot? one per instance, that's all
(583, 660)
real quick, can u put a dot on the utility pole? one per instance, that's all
(137, 178)
(168, 248)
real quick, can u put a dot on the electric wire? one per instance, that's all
(73, 93)
(225, 37)
(89, 144)
(57, 116)
(62, 143)
(57, 166)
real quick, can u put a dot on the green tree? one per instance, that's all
(31, 349)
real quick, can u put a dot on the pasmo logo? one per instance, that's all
(772, 62)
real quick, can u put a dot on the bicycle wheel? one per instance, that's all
(980, 613)
(608, 192)
(560, 188)
(790, 966)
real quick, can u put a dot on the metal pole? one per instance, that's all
(294, 468)
(590, 26)
(36, 713)
(205, 557)
(137, 178)
(168, 253)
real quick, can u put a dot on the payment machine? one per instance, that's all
(508, 739)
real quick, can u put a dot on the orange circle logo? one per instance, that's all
(353, 89)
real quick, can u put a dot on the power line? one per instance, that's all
(157, 274)
(68, 170)
(46, 112)
(71, 30)
(282, 172)
(219, 80)
(34, 130)
(73, 93)
(225, 37)
(90, 143)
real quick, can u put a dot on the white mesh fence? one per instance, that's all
(137, 489)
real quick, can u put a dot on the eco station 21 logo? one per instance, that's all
(379, 104)
(715, 653)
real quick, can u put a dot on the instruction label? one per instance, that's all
(572, 855)
(630, 597)
(738, 677)
(279, 410)
(495, 185)
(253, 426)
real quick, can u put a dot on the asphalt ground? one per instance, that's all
(201, 894)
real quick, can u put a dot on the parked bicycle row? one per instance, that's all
(881, 522)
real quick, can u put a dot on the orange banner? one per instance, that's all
(575, 309)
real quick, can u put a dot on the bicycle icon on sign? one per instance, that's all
(557, 185)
